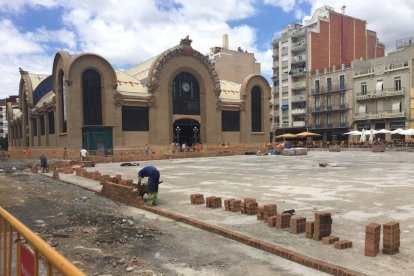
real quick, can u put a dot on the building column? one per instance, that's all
(38, 131)
(46, 116)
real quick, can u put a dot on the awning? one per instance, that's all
(379, 86)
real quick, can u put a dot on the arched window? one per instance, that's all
(186, 95)
(62, 91)
(256, 109)
(92, 102)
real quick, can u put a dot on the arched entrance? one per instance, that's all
(186, 131)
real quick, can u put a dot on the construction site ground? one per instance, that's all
(357, 187)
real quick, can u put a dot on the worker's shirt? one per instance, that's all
(147, 171)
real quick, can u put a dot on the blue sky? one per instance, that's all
(128, 32)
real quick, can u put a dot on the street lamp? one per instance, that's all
(177, 131)
(195, 131)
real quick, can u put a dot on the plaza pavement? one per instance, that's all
(358, 187)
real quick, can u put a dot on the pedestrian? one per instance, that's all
(153, 180)
(83, 154)
(43, 163)
(65, 154)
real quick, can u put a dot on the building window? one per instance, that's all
(342, 118)
(135, 118)
(317, 87)
(329, 119)
(364, 90)
(34, 125)
(329, 101)
(342, 100)
(342, 82)
(51, 117)
(317, 103)
(186, 95)
(318, 120)
(256, 109)
(62, 91)
(230, 120)
(329, 84)
(397, 84)
(379, 86)
(42, 125)
(92, 100)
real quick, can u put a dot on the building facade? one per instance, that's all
(330, 102)
(177, 96)
(383, 90)
(328, 39)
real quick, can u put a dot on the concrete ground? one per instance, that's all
(357, 188)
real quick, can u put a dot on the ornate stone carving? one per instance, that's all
(243, 106)
(152, 102)
(219, 105)
(68, 82)
(117, 99)
(183, 49)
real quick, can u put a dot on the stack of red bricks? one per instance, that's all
(269, 210)
(283, 220)
(309, 229)
(391, 238)
(260, 213)
(235, 205)
(251, 207)
(297, 225)
(330, 239)
(344, 244)
(243, 206)
(227, 204)
(213, 202)
(323, 225)
(372, 239)
(197, 199)
(271, 221)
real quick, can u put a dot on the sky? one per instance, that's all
(128, 32)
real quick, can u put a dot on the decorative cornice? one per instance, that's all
(220, 105)
(120, 100)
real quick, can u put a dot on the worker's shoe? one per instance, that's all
(155, 199)
(151, 200)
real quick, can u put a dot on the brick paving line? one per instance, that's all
(245, 239)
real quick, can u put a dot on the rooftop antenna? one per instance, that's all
(343, 9)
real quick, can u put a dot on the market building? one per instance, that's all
(179, 96)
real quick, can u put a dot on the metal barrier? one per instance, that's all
(26, 259)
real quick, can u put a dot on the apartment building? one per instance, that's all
(3, 119)
(330, 102)
(383, 90)
(328, 39)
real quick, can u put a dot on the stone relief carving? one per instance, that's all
(184, 47)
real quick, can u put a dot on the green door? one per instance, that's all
(97, 140)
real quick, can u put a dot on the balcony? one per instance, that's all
(275, 52)
(285, 76)
(274, 113)
(284, 51)
(379, 115)
(298, 111)
(297, 33)
(325, 90)
(275, 101)
(298, 72)
(298, 124)
(334, 124)
(298, 85)
(299, 98)
(329, 108)
(275, 65)
(379, 94)
(285, 63)
(394, 67)
(297, 46)
(285, 89)
(364, 73)
(298, 59)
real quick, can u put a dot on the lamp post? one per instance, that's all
(177, 131)
(195, 131)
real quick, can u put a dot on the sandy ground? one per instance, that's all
(358, 188)
(104, 237)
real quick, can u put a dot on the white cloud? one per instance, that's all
(285, 5)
